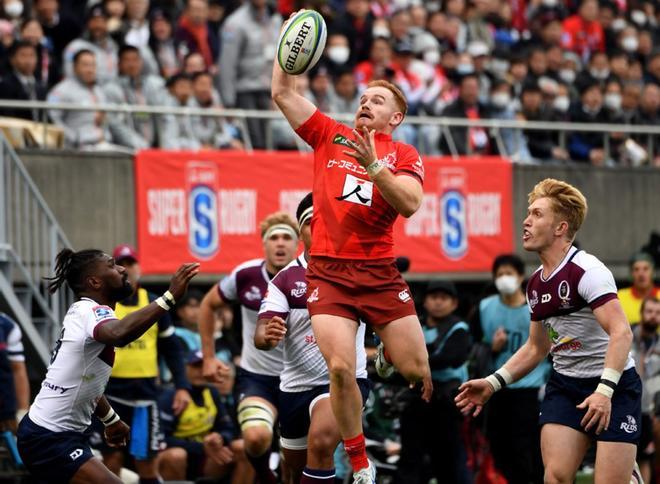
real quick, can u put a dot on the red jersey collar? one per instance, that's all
(383, 137)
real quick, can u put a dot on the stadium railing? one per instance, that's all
(441, 124)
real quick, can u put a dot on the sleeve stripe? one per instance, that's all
(600, 300)
(99, 324)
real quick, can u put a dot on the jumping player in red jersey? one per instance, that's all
(362, 181)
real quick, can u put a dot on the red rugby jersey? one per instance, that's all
(351, 219)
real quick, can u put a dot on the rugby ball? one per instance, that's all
(301, 43)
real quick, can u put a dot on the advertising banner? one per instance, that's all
(206, 206)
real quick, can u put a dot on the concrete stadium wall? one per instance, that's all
(92, 196)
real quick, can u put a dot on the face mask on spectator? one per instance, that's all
(561, 103)
(464, 69)
(500, 99)
(567, 75)
(613, 101)
(618, 24)
(14, 9)
(432, 57)
(599, 74)
(550, 3)
(507, 285)
(339, 54)
(380, 31)
(499, 67)
(638, 17)
(629, 44)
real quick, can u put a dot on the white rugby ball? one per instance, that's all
(302, 42)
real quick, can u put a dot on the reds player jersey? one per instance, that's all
(351, 219)
(78, 372)
(564, 302)
(304, 366)
(247, 284)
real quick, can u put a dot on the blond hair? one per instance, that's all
(399, 98)
(275, 219)
(566, 201)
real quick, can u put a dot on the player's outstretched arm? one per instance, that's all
(214, 369)
(296, 108)
(269, 333)
(120, 332)
(474, 394)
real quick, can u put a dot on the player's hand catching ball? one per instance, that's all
(364, 148)
(181, 279)
(473, 395)
(599, 409)
(117, 434)
(275, 331)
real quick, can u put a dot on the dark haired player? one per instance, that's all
(50, 438)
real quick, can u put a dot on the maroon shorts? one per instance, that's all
(369, 290)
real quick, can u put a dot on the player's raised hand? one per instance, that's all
(117, 434)
(473, 395)
(181, 279)
(599, 409)
(275, 330)
(364, 148)
(214, 370)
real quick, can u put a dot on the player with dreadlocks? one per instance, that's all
(51, 437)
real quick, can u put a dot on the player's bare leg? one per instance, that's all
(173, 463)
(406, 350)
(563, 449)
(94, 472)
(335, 337)
(614, 462)
(257, 439)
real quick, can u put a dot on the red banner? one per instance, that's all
(207, 206)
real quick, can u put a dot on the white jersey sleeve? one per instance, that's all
(274, 302)
(597, 281)
(228, 287)
(94, 318)
(15, 344)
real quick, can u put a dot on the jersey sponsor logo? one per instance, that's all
(404, 296)
(310, 340)
(204, 231)
(254, 294)
(101, 313)
(357, 190)
(75, 454)
(561, 344)
(545, 298)
(300, 289)
(453, 223)
(314, 296)
(534, 300)
(630, 425)
(55, 388)
(341, 140)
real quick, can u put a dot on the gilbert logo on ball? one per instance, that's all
(302, 42)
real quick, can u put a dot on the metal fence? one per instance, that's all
(442, 125)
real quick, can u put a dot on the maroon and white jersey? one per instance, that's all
(564, 303)
(247, 285)
(304, 366)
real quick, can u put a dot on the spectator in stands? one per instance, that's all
(515, 143)
(585, 146)
(400, 24)
(21, 84)
(653, 68)
(538, 64)
(193, 62)
(49, 70)
(249, 43)
(597, 71)
(646, 351)
(194, 33)
(346, 97)
(561, 103)
(203, 440)
(619, 65)
(518, 71)
(336, 54)
(211, 132)
(583, 34)
(14, 384)
(473, 140)
(406, 78)
(132, 87)
(136, 31)
(356, 23)
(162, 44)
(380, 60)
(320, 90)
(542, 144)
(630, 98)
(97, 40)
(648, 113)
(480, 54)
(628, 40)
(433, 429)
(512, 419)
(82, 129)
(175, 130)
(642, 273)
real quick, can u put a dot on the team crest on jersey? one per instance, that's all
(341, 140)
(101, 313)
(534, 300)
(630, 425)
(300, 289)
(254, 294)
(564, 293)
(356, 190)
(314, 297)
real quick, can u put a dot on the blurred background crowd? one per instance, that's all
(578, 61)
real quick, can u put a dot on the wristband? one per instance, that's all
(374, 168)
(167, 295)
(608, 382)
(162, 303)
(499, 379)
(110, 418)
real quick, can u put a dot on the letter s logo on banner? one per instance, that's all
(203, 229)
(454, 240)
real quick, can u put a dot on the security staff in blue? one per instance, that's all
(512, 416)
(433, 429)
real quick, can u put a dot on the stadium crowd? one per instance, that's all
(585, 61)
